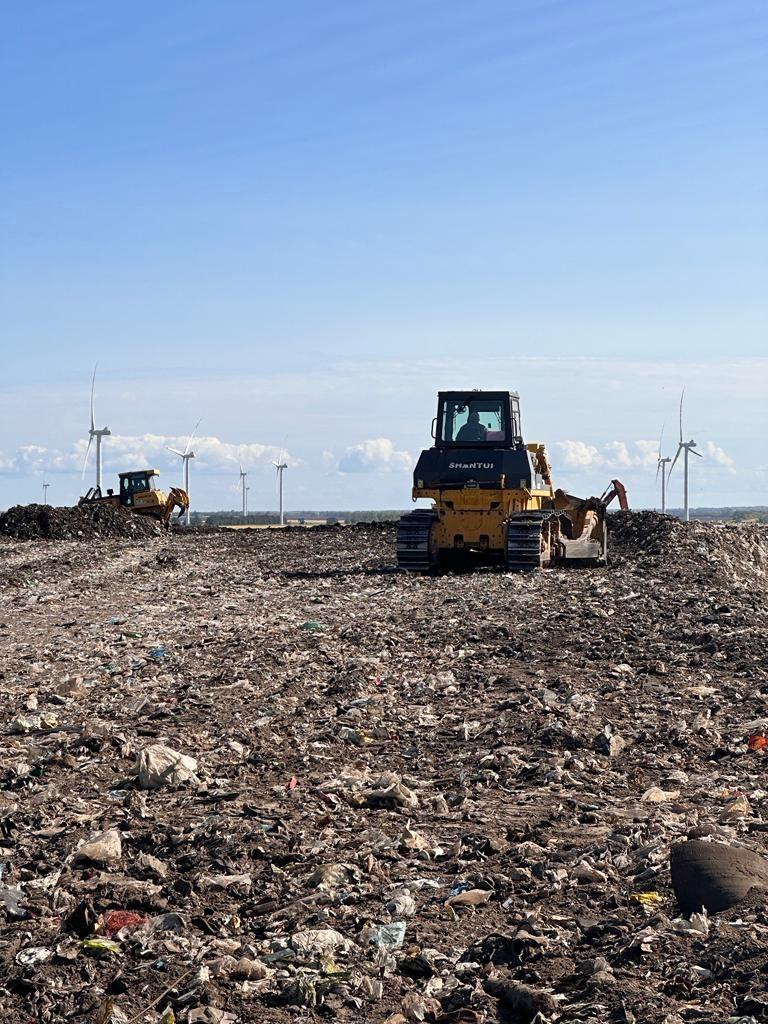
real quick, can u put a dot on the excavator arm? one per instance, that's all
(177, 498)
(616, 490)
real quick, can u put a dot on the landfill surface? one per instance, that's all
(266, 776)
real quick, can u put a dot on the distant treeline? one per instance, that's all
(758, 513)
(272, 519)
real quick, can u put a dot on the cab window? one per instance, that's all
(473, 421)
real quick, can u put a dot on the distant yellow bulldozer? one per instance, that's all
(493, 497)
(138, 493)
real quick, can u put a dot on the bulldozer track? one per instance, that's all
(523, 552)
(524, 529)
(413, 540)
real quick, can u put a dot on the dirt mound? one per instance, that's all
(87, 522)
(632, 534)
(736, 551)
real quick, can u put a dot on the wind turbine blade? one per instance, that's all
(682, 396)
(658, 467)
(87, 452)
(189, 441)
(661, 438)
(697, 454)
(677, 456)
(176, 452)
(93, 388)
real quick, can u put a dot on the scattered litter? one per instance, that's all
(319, 940)
(114, 921)
(33, 955)
(104, 848)
(100, 947)
(470, 898)
(655, 795)
(430, 809)
(158, 765)
(389, 936)
(650, 900)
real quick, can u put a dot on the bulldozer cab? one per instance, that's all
(471, 419)
(134, 483)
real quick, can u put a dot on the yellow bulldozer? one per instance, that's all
(493, 497)
(138, 493)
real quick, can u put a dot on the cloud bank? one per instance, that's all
(121, 452)
(626, 455)
(377, 455)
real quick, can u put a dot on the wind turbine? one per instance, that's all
(661, 465)
(45, 493)
(98, 434)
(688, 448)
(243, 477)
(280, 467)
(185, 456)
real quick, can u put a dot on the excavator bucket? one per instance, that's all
(177, 498)
(583, 535)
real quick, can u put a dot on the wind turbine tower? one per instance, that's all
(243, 478)
(246, 500)
(185, 456)
(688, 448)
(280, 466)
(45, 493)
(661, 466)
(98, 434)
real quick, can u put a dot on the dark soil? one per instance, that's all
(81, 522)
(370, 746)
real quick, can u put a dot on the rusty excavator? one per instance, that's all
(493, 496)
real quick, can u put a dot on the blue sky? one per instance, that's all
(299, 221)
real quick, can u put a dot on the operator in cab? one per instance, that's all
(473, 429)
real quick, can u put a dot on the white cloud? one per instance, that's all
(647, 453)
(617, 454)
(577, 453)
(717, 455)
(611, 455)
(377, 455)
(131, 452)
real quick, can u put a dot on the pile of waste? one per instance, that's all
(81, 522)
(261, 775)
(737, 549)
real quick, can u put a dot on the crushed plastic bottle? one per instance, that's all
(389, 936)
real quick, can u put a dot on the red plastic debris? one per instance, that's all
(113, 920)
(757, 741)
(293, 783)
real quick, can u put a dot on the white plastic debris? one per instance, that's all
(158, 765)
(104, 848)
